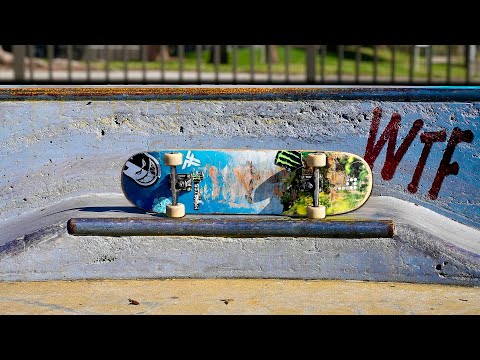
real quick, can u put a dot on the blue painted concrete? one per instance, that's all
(64, 146)
(56, 151)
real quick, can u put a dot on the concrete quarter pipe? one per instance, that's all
(62, 150)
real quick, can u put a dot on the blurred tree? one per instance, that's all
(164, 54)
(223, 54)
(152, 52)
(156, 52)
(272, 53)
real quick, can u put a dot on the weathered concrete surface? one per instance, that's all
(55, 149)
(56, 155)
(235, 296)
(428, 247)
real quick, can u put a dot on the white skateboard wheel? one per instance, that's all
(316, 160)
(176, 211)
(172, 159)
(316, 212)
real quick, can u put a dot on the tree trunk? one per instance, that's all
(164, 54)
(155, 52)
(223, 54)
(272, 52)
(152, 52)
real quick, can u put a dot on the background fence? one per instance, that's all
(239, 64)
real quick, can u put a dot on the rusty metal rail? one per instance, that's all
(232, 227)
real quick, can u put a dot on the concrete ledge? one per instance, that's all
(64, 149)
(75, 145)
(427, 248)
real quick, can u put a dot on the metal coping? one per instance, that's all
(234, 227)
(286, 93)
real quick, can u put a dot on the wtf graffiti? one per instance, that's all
(394, 157)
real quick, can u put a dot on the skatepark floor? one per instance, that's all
(234, 296)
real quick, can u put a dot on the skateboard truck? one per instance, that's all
(316, 160)
(178, 182)
(306, 182)
(184, 182)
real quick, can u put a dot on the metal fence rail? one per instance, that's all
(239, 64)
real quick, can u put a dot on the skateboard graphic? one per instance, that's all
(298, 183)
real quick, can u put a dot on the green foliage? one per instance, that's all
(336, 201)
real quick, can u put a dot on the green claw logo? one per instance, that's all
(290, 160)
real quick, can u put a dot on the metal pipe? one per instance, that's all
(89, 70)
(429, 51)
(322, 62)
(69, 62)
(449, 64)
(340, 54)
(50, 59)
(125, 64)
(269, 63)
(392, 76)
(107, 63)
(19, 62)
(198, 52)
(311, 62)
(234, 63)
(358, 59)
(252, 64)
(232, 227)
(31, 56)
(181, 55)
(411, 70)
(144, 63)
(216, 61)
(163, 50)
(377, 93)
(287, 63)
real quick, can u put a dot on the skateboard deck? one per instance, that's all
(229, 181)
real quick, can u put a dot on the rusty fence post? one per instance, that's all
(19, 52)
(311, 64)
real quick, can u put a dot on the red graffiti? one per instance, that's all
(390, 133)
(428, 138)
(393, 158)
(445, 167)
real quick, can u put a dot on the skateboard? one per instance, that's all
(297, 183)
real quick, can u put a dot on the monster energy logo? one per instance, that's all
(196, 177)
(289, 160)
